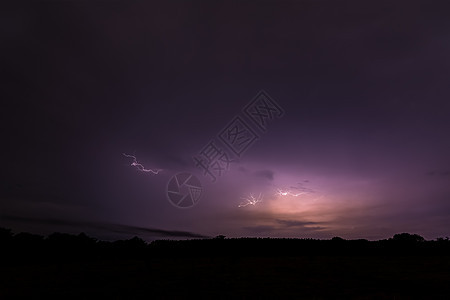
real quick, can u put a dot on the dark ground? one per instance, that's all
(73, 267)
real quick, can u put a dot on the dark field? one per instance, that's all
(323, 277)
(227, 268)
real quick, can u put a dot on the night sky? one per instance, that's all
(359, 147)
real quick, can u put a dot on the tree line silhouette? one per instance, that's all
(26, 247)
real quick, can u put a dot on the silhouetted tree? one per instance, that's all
(407, 238)
(27, 238)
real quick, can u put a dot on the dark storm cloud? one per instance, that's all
(152, 231)
(302, 187)
(280, 230)
(104, 227)
(295, 223)
(266, 174)
(259, 174)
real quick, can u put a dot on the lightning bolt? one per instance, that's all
(139, 166)
(289, 193)
(251, 200)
